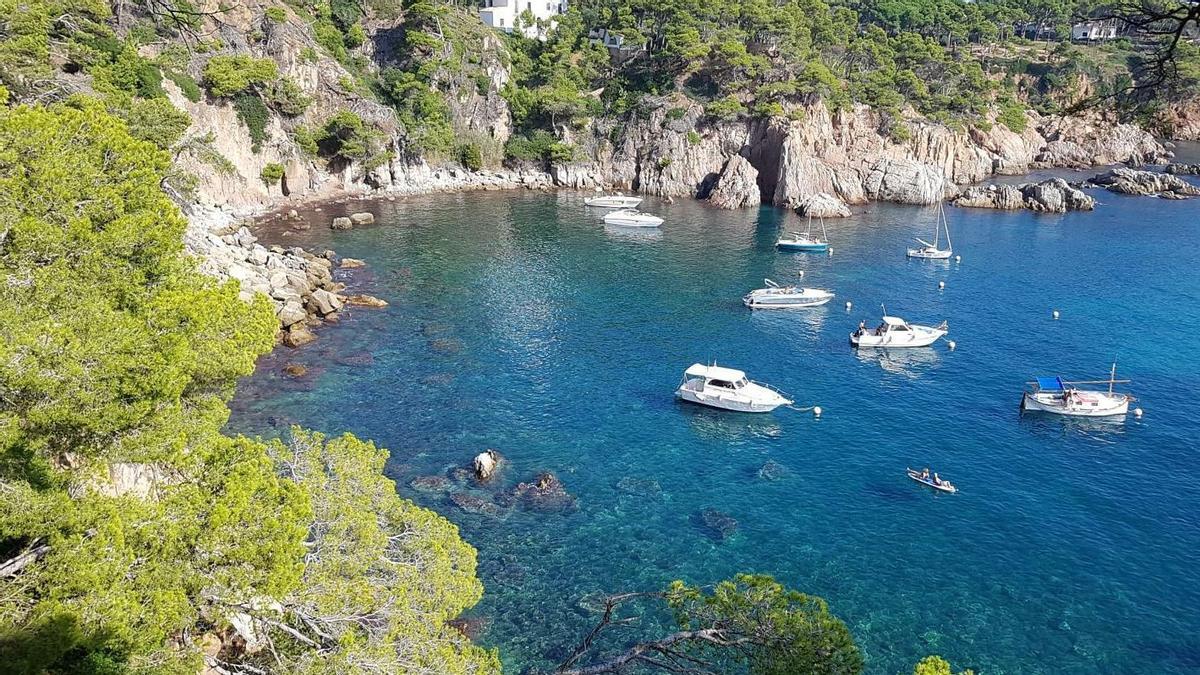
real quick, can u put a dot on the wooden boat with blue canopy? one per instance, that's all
(1057, 396)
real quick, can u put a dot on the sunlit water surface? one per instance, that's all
(519, 322)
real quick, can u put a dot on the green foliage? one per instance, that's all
(693, 137)
(936, 665)
(725, 109)
(421, 108)
(305, 140)
(187, 85)
(155, 120)
(346, 137)
(117, 359)
(676, 113)
(286, 96)
(253, 113)
(470, 156)
(272, 173)
(540, 146)
(1012, 115)
(276, 14)
(226, 76)
(787, 631)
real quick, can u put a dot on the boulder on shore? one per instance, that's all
(737, 186)
(364, 300)
(298, 335)
(363, 218)
(1145, 183)
(1049, 196)
(341, 223)
(351, 263)
(822, 205)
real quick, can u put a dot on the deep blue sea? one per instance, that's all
(519, 322)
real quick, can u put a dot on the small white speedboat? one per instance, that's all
(775, 296)
(935, 481)
(935, 251)
(614, 201)
(727, 389)
(632, 218)
(1059, 397)
(896, 332)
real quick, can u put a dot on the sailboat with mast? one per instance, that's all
(935, 251)
(805, 241)
(1061, 397)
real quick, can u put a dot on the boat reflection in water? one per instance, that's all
(634, 233)
(907, 362)
(716, 425)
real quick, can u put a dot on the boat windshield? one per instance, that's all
(741, 383)
(724, 384)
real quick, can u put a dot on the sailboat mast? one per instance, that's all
(946, 224)
(1112, 378)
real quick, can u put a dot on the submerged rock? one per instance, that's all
(642, 487)
(298, 335)
(431, 483)
(717, 525)
(772, 470)
(295, 370)
(546, 493)
(446, 345)
(364, 300)
(475, 504)
(351, 263)
(363, 218)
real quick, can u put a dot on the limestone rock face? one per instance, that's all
(904, 181)
(1049, 196)
(485, 464)
(1183, 169)
(1133, 182)
(822, 205)
(737, 186)
(1091, 141)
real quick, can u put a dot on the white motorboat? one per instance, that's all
(805, 241)
(1060, 397)
(896, 332)
(934, 251)
(632, 218)
(775, 296)
(728, 389)
(613, 201)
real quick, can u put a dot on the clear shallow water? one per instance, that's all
(519, 322)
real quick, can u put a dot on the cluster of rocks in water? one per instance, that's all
(1054, 195)
(1147, 183)
(478, 489)
(299, 284)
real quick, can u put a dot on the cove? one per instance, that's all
(519, 322)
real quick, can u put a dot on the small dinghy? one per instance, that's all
(613, 201)
(933, 481)
(728, 389)
(1057, 396)
(805, 241)
(934, 251)
(896, 332)
(775, 296)
(631, 218)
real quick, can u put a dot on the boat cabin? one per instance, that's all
(892, 324)
(716, 376)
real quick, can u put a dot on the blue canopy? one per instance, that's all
(1050, 383)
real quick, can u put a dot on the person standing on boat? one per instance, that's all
(936, 479)
(925, 474)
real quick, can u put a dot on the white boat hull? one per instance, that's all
(809, 297)
(929, 254)
(1083, 404)
(919, 336)
(613, 202)
(727, 402)
(632, 219)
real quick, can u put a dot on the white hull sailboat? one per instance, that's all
(1060, 397)
(775, 296)
(896, 332)
(613, 201)
(935, 251)
(727, 389)
(805, 241)
(631, 218)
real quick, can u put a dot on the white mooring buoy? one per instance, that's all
(816, 411)
(958, 258)
(1137, 412)
(1055, 314)
(849, 305)
(951, 344)
(829, 251)
(941, 285)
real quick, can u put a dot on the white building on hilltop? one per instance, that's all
(507, 15)
(1091, 31)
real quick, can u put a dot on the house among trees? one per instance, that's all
(533, 18)
(1095, 30)
(618, 49)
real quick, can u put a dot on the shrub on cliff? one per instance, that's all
(228, 75)
(132, 532)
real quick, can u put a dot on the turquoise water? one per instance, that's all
(519, 322)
